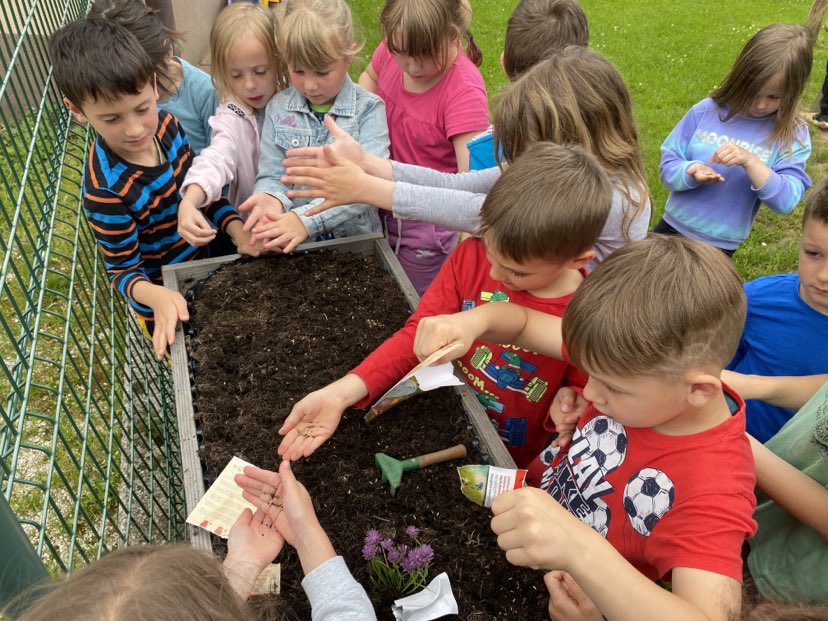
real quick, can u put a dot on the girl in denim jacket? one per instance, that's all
(316, 38)
(247, 71)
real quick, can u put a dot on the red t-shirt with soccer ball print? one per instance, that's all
(661, 501)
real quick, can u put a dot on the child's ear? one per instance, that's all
(581, 260)
(503, 65)
(80, 117)
(703, 387)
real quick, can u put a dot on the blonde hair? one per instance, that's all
(234, 23)
(576, 96)
(144, 583)
(779, 51)
(660, 306)
(425, 28)
(551, 204)
(316, 33)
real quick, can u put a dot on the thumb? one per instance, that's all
(335, 130)
(245, 517)
(332, 157)
(181, 308)
(289, 484)
(574, 589)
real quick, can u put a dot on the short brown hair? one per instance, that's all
(816, 203)
(661, 305)
(146, 582)
(551, 203)
(158, 41)
(96, 59)
(538, 28)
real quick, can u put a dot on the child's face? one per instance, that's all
(638, 400)
(424, 71)
(766, 101)
(127, 125)
(534, 275)
(250, 73)
(320, 87)
(813, 265)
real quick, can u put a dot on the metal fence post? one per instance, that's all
(20, 567)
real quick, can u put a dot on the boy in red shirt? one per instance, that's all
(539, 223)
(658, 480)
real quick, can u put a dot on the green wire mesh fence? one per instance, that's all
(89, 456)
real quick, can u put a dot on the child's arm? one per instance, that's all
(315, 418)
(678, 171)
(535, 531)
(269, 192)
(498, 322)
(287, 503)
(368, 79)
(290, 230)
(793, 490)
(786, 392)
(782, 185)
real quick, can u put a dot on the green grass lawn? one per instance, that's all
(671, 55)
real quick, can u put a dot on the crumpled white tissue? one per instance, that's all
(433, 602)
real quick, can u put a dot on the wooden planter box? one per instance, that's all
(183, 276)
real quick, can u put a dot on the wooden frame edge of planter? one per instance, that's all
(182, 276)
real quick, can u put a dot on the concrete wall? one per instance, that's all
(193, 18)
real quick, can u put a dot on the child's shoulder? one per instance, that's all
(774, 286)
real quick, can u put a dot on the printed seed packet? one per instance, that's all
(482, 484)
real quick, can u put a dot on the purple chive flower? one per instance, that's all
(395, 554)
(412, 531)
(372, 537)
(386, 543)
(418, 557)
(369, 551)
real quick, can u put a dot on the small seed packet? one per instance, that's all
(421, 378)
(482, 484)
(223, 503)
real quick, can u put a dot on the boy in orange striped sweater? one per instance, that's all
(134, 169)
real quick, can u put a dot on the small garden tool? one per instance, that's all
(392, 469)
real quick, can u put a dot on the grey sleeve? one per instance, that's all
(451, 209)
(476, 181)
(334, 595)
(612, 236)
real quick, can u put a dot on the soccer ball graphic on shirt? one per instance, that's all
(599, 519)
(648, 496)
(607, 441)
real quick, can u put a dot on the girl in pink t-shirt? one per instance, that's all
(436, 101)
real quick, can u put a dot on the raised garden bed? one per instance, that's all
(269, 331)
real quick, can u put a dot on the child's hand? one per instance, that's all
(285, 231)
(168, 308)
(255, 539)
(343, 145)
(312, 420)
(731, 155)
(193, 226)
(704, 174)
(567, 600)
(535, 531)
(566, 409)
(340, 182)
(436, 332)
(242, 240)
(259, 205)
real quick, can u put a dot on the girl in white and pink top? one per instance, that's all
(436, 102)
(247, 70)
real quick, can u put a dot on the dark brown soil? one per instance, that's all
(270, 331)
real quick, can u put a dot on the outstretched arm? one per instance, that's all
(786, 392)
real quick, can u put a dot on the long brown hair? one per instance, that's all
(576, 97)
(782, 51)
(426, 27)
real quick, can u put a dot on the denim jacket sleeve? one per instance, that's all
(370, 128)
(272, 153)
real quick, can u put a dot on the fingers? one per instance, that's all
(308, 153)
(335, 130)
(323, 206)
